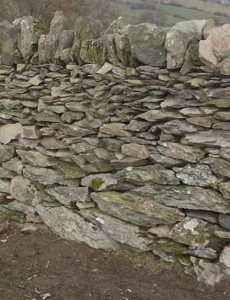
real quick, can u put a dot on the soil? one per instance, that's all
(39, 265)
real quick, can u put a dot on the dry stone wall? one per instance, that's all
(133, 152)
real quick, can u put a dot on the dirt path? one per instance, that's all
(37, 265)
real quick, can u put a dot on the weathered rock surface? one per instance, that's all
(70, 225)
(186, 197)
(136, 209)
(148, 175)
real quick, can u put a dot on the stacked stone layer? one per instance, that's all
(119, 156)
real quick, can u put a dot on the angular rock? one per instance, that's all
(21, 207)
(224, 221)
(116, 129)
(4, 186)
(193, 232)
(186, 197)
(165, 161)
(35, 158)
(69, 196)
(225, 189)
(210, 273)
(120, 231)
(10, 132)
(135, 209)
(182, 152)
(86, 28)
(135, 150)
(156, 174)
(6, 153)
(216, 47)
(178, 127)
(156, 116)
(225, 257)
(211, 138)
(179, 38)
(147, 44)
(71, 226)
(198, 175)
(25, 191)
(99, 182)
(15, 165)
(219, 166)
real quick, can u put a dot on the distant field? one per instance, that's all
(178, 10)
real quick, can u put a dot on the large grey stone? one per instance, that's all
(219, 166)
(71, 226)
(156, 116)
(156, 174)
(186, 197)
(136, 209)
(225, 189)
(178, 127)
(210, 138)
(118, 230)
(35, 158)
(4, 186)
(69, 196)
(147, 44)
(198, 175)
(10, 132)
(178, 151)
(6, 153)
(180, 37)
(25, 191)
(86, 28)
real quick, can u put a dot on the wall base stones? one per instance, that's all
(113, 155)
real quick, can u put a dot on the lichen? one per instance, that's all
(96, 183)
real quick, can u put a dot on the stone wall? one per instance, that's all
(134, 152)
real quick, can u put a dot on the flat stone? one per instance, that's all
(4, 173)
(198, 175)
(69, 196)
(4, 186)
(21, 207)
(36, 80)
(225, 189)
(165, 161)
(106, 68)
(135, 209)
(52, 143)
(71, 226)
(120, 231)
(182, 152)
(219, 166)
(156, 116)
(10, 132)
(225, 153)
(210, 273)
(178, 127)
(224, 221)
(116, 129)
(208, 216)
(201, 121)
(225, 257)
(156, 174)
(186, 197)
(138, 126)
(6, 153)
(35, 158)
(193, 232)
(222, 115)
(135, 150)
(15, 165)
(25, 191)
(208, 138)
(30, 132)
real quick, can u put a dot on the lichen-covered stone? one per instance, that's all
(148, 175)
(186, 197)
(136, 209)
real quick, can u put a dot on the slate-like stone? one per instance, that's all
(69, 196)
(116, 129)
(99, 182)
(135, 150)
(35, 158)
(156, 174)
(10, 132)
(183, 152)
(136, 209)
(197, 175)
(6, 153)
(224, 221)
(156, 116)
(225, 189)
(210, 138)
(186, 197)
(71, 226)
(219, 166)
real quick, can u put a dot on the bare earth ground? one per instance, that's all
(40, 265)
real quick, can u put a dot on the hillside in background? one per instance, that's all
(168, 12)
